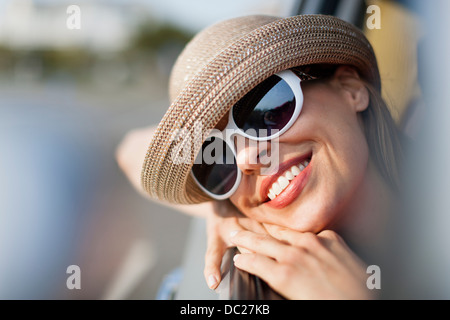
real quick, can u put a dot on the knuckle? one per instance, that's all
(293, 255)
(310, 240)
(330, 234)
(275, 230)
(260, 238)
(243, 250)
(248, 258)
(212, 252)
(233, 221)
(253, 258)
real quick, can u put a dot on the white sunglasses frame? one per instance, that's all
(294, 83)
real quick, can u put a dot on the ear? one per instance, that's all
(352, 87)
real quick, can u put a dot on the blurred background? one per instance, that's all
(68, 97)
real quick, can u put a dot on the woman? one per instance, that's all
(306, 91)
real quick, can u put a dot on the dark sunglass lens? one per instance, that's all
(269, 106)
(215, 167)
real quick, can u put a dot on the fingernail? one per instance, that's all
(233, 233)
(236, 256)
(212, 281)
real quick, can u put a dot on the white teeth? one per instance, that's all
(276, 188)
(284, 180)
(289, 175)
(295, 171)
(271, 195)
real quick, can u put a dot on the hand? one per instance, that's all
(303, 265)
(223, 219)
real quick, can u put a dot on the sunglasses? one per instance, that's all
(263, 114)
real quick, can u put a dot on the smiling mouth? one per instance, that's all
(283, 187)
(285, 179)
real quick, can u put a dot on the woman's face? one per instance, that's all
(328, 140)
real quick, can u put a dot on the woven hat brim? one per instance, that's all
(282, 44)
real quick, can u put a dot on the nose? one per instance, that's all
(252, 156)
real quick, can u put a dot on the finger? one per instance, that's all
(259, 243)
(228, 226)
(325, 247)
(217, 244)
(251, 225)
(263, 267)
(228, 210)
(339, 247)
(336, 245)
(280, 233)
(240, 224)
(306, 240)
(331, 239)
(213, 260)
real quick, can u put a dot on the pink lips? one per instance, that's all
(293, 190)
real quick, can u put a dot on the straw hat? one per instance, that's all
(224, 62)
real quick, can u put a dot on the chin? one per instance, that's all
(311, 215)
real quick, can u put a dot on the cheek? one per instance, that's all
(351, 164)
(340, 160)
(340, 169)
(350, 151)
(337, 133)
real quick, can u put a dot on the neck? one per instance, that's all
(365, 221)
